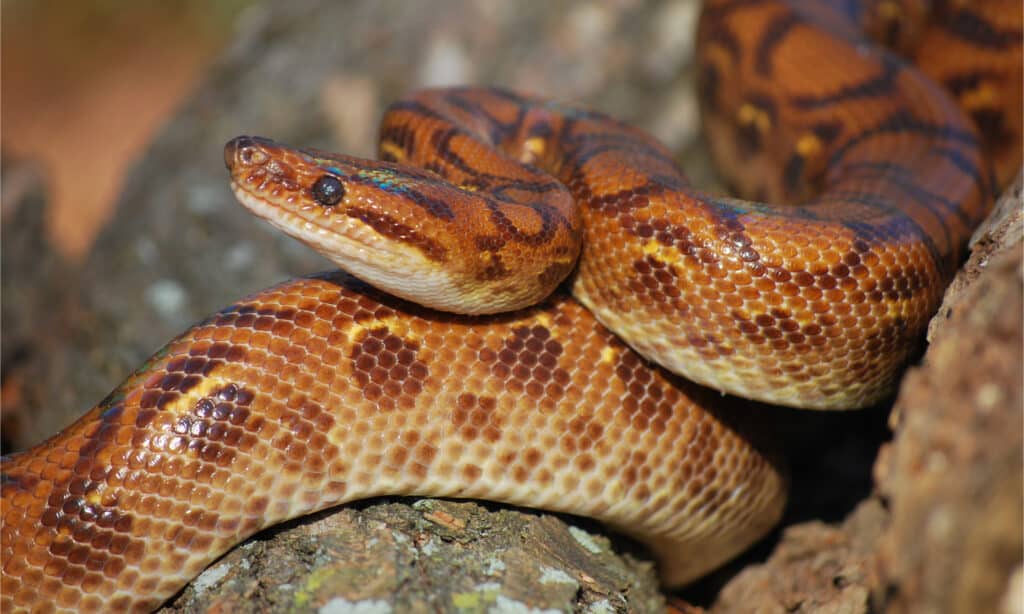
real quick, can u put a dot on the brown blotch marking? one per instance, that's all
(493, 268)
(585, 431)
(263, 323)
(214, 428)
(135, 551)
(656, 282)
(520, 474)
(532, 457)
(475, 417)
(391, 228)
(488, 243)
(236, 353)
(585, 462)
(554, 273)
(282, 313)
(528, 362)
(642, 493)
(147, 586)
(667, 234)
(649, 404)
(620, 204)
(67, 509)
(424, 454)
(387, 369)
(629, 475)
(471, 473)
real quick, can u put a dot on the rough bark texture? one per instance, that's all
(25, 259)
(816, 567)
(424, 556)
(944, 527)
(953, 474)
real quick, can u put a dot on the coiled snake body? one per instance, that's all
(323, 390)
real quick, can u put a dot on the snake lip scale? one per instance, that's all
(537, 308)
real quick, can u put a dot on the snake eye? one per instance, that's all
(328, 190)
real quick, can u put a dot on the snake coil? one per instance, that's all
(323, 390)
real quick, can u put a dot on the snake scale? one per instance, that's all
(323, 390)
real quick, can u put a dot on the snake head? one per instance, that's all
(364, 215)
(403, 229)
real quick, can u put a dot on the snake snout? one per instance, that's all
(245, 151)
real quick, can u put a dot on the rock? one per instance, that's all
(815, 568)
(425, 556)
(952, 475)
(32, 326)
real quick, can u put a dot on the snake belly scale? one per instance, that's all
(326, 389)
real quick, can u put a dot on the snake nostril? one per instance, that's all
(244, 151)
(232, 148)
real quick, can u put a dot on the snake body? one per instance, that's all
(323, 390)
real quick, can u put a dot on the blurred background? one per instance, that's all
(118, 228)
(86, 85)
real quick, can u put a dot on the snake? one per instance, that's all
(537, 308)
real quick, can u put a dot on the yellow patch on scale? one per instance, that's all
(889, 11)
(616, 490)
(808, 146)
(533, 148)
(751, 115)
(544, 319)
(608, 355)
(661, 253)
(982, 97)
(393, 324)
(393, 150)
(186, 401)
